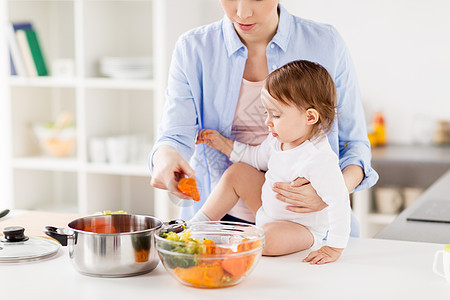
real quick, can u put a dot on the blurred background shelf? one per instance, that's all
(118, 169)
(46, 163)
(44, 81)
(82, 41)
(126, 84)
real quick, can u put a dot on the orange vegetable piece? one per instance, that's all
(223, 251)
(235, 266)
(245, 245)
(189, 187)
(202, 275)
(210, 247)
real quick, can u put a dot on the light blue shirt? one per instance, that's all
(203, 88)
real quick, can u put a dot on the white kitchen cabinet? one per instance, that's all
(84, 31)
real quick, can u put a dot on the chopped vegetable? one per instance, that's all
(190, 246)
(209, 247)
(189, 187)
(117, 212)
(108, 212)
(235, 266)
(207, 275)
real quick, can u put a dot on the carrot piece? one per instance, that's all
(207, 275)
(189, 187)
(223, 251)
(235, 266)
(209, 246)
(245, 245)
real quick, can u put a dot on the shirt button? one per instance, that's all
(272, 46)
(274, 67)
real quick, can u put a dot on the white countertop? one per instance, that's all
(368, 269)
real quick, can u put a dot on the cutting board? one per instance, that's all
(35, 221)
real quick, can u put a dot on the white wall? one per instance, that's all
(401, 49)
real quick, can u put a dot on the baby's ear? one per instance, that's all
(312, 116)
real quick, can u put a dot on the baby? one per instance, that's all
(299, 99)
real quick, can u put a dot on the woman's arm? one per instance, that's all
(177, 129)
(354, 147)
(353, 176)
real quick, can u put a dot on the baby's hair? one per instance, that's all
(306, 85)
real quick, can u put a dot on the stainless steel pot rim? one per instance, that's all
(117, 233)
(159, 222)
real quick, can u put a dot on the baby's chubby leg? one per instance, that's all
(239, 181)
(284, 237)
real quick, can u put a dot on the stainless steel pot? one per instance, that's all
(112, 245)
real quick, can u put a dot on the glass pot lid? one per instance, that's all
(16, 247)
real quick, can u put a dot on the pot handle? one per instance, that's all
(58, 234)
(176, 226)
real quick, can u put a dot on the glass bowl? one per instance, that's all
(211, 254)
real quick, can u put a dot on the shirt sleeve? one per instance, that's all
(179, 123)
(326, 178)
(255, 156)
(354, 146)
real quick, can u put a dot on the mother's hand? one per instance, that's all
(300, 194)
(168, 168)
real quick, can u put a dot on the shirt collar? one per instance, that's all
(281, 38)
(233, 43)
(232, 40)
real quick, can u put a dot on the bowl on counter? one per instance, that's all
(211, 254)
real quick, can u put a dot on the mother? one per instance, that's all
(215, 78)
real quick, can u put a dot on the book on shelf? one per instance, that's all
(26, 51)
(36, 52)
(16, 61)
(11, 65)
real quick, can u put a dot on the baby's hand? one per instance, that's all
(215, 140)
(324, 255)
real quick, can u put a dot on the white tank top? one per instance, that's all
(248, 127)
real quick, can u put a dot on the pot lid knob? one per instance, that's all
(14, 234)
